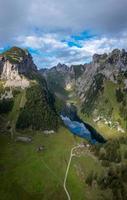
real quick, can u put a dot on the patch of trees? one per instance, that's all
(108, 152)
(111, 151)
(123, 110)
(125, 154)
(6, 105)
(119, 95)
(92, 176)
(125, 74)
(39, 112)
(115, 179)
(16, 91)
(123, 140)
(115, 175)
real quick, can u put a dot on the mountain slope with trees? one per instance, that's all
(19, 76)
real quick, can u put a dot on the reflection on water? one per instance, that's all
(78, 128)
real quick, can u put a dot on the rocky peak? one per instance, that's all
(15, 66)
(59, 68)
(62, 67)
(108, 65)
(117, 58)
(79, 67)
(98, 57)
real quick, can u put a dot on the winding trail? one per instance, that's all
(67, 170)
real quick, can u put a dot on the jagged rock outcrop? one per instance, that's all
(109, 65)
(82, 76)
(62, 78)
(15, 66)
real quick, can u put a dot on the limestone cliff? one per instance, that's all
(15, 66)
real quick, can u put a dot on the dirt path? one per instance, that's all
(67, 170)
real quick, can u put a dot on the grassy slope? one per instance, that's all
(19, 102)
(110, 94)
(28, 174)
(80, 168)
(31, 174)
(104, 108)
(14, 54)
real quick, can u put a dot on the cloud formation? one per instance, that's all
(19, 17)
(49, 49)
(46, 27)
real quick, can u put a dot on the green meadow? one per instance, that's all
(27, 174)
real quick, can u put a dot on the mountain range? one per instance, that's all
(99, 89)
(41, 156)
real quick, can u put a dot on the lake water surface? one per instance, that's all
(82, 130)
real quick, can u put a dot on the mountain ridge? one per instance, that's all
(90, 84)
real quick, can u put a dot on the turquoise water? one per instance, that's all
(79, 129)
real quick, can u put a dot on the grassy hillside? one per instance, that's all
(106, 108)
(15, 54)
(28, 174)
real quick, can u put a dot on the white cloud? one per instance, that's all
(19, 17)
(44, 25)
(53, 50)
(47, 41)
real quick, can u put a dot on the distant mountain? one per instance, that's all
(25, 101)
(61, 78)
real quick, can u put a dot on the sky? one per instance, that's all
(65, 31)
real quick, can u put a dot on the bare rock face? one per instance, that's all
(15, 66)
(61, 78)
(109, 65)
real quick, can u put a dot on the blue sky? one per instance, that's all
(68, 31)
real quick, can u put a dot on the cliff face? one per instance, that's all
(62, 78)
(109, 65)
(24, 93)
(15, 66)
